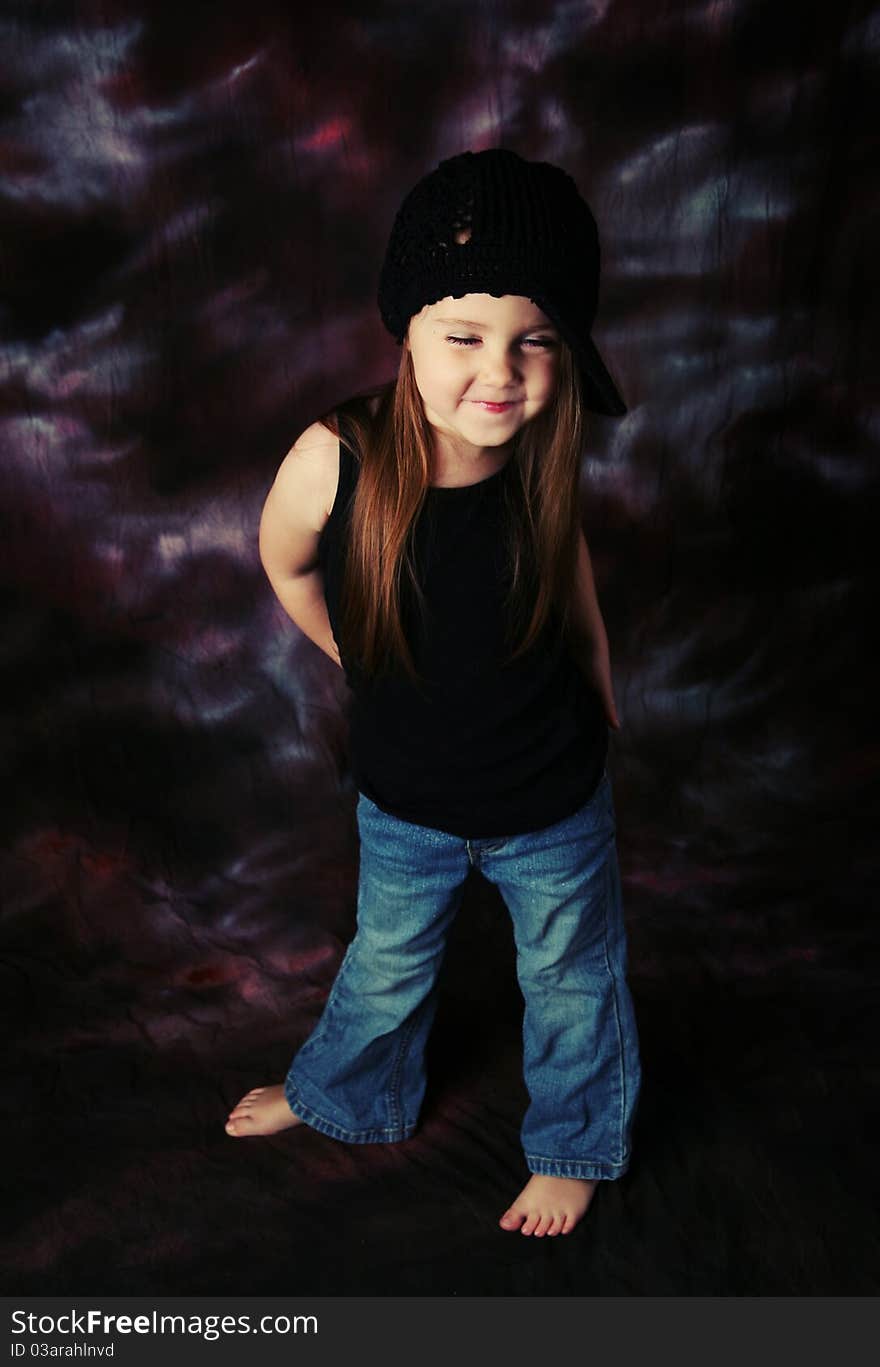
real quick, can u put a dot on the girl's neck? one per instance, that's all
(451, 470)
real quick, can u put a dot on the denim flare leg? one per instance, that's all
(359, 1077)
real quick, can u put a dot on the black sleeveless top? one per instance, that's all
(486, 748)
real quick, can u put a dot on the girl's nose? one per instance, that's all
(497, 367)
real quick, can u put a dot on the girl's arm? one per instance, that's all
(588, 637)
(294, 515)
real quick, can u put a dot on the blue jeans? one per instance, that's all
(359, 1077)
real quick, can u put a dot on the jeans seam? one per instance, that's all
(397, 1070)
(588, 1169)
(314, 1119)
(587, 1162)
(614, 993)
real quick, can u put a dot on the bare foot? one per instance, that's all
(549, 1205)
(262, 1111)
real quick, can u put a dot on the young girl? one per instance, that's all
(427, 537)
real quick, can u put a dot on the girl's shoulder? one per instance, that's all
(309, 475)
(310, 472)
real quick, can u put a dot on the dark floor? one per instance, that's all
(751, 1172)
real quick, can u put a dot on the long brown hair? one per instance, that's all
(542, 516)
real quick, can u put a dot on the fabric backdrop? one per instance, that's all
(195, 200)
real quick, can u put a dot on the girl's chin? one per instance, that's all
(480, 426)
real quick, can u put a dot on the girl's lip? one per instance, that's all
(494, 407)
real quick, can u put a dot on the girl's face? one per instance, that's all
(475, 351)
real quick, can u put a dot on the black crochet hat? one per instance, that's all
(493, 223)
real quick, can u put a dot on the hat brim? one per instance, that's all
(602, 394)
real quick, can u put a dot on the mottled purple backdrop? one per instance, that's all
(195, 201)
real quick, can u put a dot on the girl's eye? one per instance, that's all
(545, 342)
